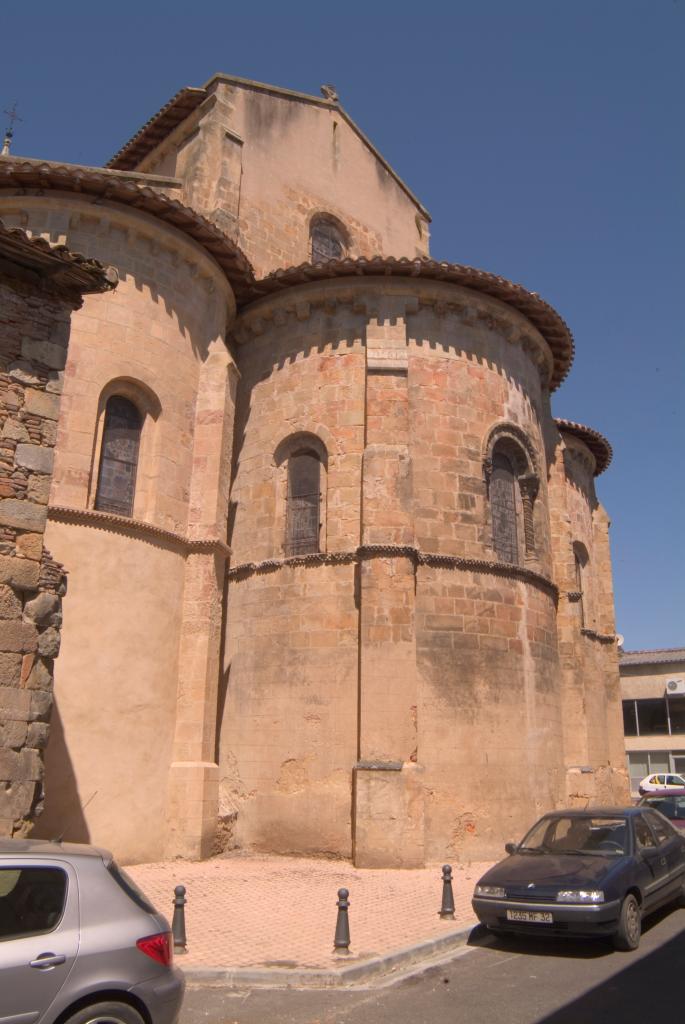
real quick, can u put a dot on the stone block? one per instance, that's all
(38, 489)
(42, 403)
(40, 678)
(42, 608)
(23, 515)
(10, 669)
(30, 545)
(14, 704)
(53, 356)
(34, 457)
(48, 643)
(15, 801)
(389, 817)
(18, 636)
(24, 373)
(14, 431)
(37, 735)
(13, 733)
(41, 705)
(10, 605)
(29, 766)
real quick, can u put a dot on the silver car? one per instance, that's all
(79, 942)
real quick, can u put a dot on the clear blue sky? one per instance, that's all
(545, 138)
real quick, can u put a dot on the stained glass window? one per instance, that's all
(302, 519)
(503, 505)
(119, 457)
(327, 242)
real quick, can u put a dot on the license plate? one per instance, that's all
(530, 916)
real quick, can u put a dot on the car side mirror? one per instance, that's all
(510, 848)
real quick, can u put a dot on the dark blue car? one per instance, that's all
(592, 872)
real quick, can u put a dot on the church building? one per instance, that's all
(338, 581)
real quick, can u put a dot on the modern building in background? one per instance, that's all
(653, 694)
(339, 580)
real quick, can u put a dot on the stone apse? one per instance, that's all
(344, 587)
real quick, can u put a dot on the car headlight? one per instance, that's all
(489, 890)
(580, 896)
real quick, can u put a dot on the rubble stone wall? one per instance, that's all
(34, 335)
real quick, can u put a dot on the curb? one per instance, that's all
(279, 977)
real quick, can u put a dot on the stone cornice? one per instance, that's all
(366, 295)
(19, 176)
(539, 313)
(603, 638)
(598, 445)
(429, 559)
(138, 529)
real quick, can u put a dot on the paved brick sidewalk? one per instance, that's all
(265, 911)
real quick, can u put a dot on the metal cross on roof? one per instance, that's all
(13, 116)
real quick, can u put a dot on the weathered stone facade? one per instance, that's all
(416, 682)
(39, 289)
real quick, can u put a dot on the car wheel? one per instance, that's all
(106, 1013)
(627, 935)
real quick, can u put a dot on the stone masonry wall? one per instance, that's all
(34, 334)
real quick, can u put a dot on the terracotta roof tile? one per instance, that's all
(157, 128)
(64, 268)
(108, 185)
(554, 330)
(596, 442)
(658, 656)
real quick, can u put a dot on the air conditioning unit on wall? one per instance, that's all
(674, 687)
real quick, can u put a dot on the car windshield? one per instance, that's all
(568, 834)
(672, 807)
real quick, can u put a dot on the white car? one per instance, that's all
(651, 783)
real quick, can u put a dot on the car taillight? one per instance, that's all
(158, 947)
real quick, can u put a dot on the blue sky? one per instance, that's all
(545, 138)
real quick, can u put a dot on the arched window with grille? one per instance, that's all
(503, 508)
(512, 481)
(119, 457)
(581, 562)
(302, 523)
(327, 240)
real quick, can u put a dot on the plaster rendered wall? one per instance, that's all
(115, 692)
(127, 656)
(260, 165)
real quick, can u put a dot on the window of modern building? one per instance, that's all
(119, 457)
(327, 240)
(646, 762)
(659, 716)
(303, 504)
(503, 506)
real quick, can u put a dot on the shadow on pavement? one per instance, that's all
(642, 992)
(578, 949)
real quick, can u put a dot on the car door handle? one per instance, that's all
(662, 861)
(46, 961)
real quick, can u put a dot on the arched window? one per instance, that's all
(581, 561)
(303, 504)
(512, 485)
(327, 240)
(119, 457)
(503, 506)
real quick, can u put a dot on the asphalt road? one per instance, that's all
(517, 982)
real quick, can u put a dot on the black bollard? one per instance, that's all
(178, 922)
(447, 908)
(341, 943)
